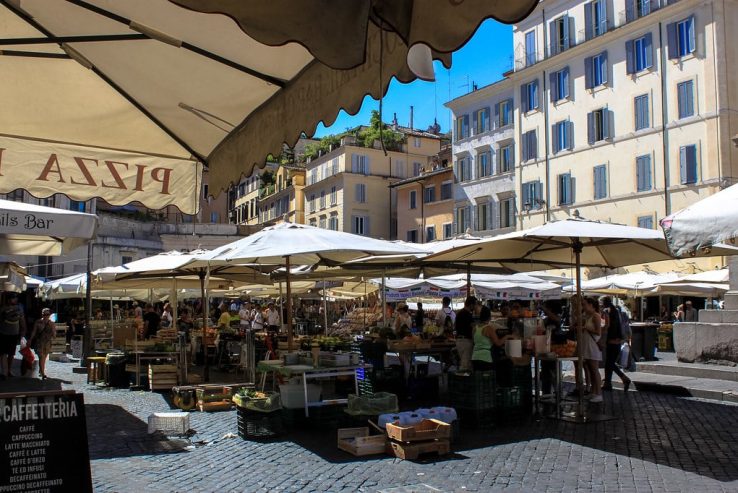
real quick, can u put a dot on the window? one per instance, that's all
(598, 125)
(463, 169)
(429, 195)
(506, 158)
(430, 233)
(76, 205)
(241, 189)
(360, 225)
(530, 48)
(311, 203)
(333, 222)
(529, 96)
(334, 166)
(484, 164)
(482, 217)
(643, 173)
(600, 181)
(635, 9)
(639, 54)
(413, 199)
(126, 259)
(214, 217)
(559, 35)
(595, 70)
(446, 190)
(399, 169)
(566, 189)
(205, 192)
(322, 222)
(688, 164)
(507, 213)
(412, 236)
(642, 119)
(463, 219)
(685, 95)
(562, 136)
(645, 222)
(560, 84)
(503, 113)
(462, 127)
(530, 145)
(481, 121)
(417, 169)
(360, 164)
(322, 199)
(532, 196)
(448, 230)
(416, 141)
(313, 176)
(361, 193)
(595, 18)
(681, 38)
(334, 196)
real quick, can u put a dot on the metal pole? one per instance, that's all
(325, 310)
(384, 297)
(281, 306)
(289, 305)
(204, 302)
(468, 278)
(87, 341)
(577, 247)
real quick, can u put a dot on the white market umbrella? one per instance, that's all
(289, 244)
(703, 224)
(27, 229)
(510, 290)
(150, 83)
(712, 284)
(631, 284)
(12, 277)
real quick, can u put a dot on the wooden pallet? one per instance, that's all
(411, 451)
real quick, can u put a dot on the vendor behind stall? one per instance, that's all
(445, 318)
(273, 318)
(151, 322)
(402, 322)
(464, 333)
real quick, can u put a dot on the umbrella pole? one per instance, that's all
(468, 278)
(203, 303)
(577, 247)
(289, 305)
(87, 338)
(325, 310)
(384, 297)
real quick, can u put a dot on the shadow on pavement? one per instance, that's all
(25, 384)
(113, 432)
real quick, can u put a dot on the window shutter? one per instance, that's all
(605, 69)
(555, 138)
(524, 98)
(524, 148)
(552, 38)
(629, 58)
(564, 89)
(566, 20)
(607, 117)
(605, 15)
(572, 189)
(596, 177)
(590, 128)
(683, 165)
(497, 115)
(639, 174)
(367, 231)
(539, 192)
(367, 170)
(648, 46)
(533, 148)
(691, 154)
(553, 85)
(671, 39)
(525, 193)
(475, 120)
(354, 163)
(569, 135)
(588, 72)
(588, 21)
(485, 123)
(689, 90)
(630, 12)
(691, 46)
(647, 185)
(536, 101)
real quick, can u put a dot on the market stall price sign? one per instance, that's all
(43, 443)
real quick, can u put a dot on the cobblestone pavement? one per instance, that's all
(658, 442)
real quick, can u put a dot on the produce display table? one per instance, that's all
(441, 352)
(557, 381)
(151, 356)
(309, 372)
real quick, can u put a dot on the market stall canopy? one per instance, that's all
(12, 277)
(640, 283)
(27, 229)
(551, 245)
(703, 224)
(75, 286)
(713, 283)
(126, 97)
(512, 290)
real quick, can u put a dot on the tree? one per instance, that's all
(393, 140)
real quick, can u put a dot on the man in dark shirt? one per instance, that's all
(419, 318)
(463, 326)
(151, 321)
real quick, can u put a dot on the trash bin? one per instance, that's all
(643, 341)
(117, 375)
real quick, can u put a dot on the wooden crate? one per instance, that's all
(162, 377)
(123, 333)
(411, 451)
(214, 406)
(358, 442)
(59, 344)
(428, 429)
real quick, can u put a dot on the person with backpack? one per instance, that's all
(614, 337)
(446, 317)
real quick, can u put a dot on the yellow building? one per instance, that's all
(244, 198)
(348, 190)
(283, 198)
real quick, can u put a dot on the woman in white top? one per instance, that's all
(591, 352)
(166, 316)
(402, 320)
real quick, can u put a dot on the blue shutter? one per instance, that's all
(524, 98)
(691, 41)
(604, 69)
(534, 95)
(590, 128)
(475, 120)
(691, 154)
(588, 72)
(533, 147)
(648, 48)
(603, 18)
(671, 39)
(497, 115)
(683, 165)
(689, 89)
(525, 194)
(565, 83)
(647, 185)
(565, 21)
(552, 44)
(569, 135)
(588, 20)
(524, 148)
(629, 58)
(539, 192)
(639, 175)
(630, 12)
(554, 87)
(485, 122)
(555, 138)
(597, 183)
(607, 122)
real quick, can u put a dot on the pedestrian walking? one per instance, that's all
(613, 332)
(44, 330)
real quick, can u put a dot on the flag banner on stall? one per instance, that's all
(119, 177)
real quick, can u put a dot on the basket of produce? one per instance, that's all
(257, 401)
(567, 350)
(373, 404)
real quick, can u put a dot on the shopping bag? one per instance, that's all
(27, 359)
(626, 358)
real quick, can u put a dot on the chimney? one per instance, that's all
(394, 120)
(411, 117)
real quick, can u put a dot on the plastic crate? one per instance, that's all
(255, 425)
(512, 405)
(476, 419)
(475, 391)
(169, 423)
(522, 376)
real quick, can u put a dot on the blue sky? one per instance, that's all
(482, 61)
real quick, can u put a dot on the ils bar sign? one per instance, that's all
(83, 173)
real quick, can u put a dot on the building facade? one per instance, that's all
(425, 203)
(347, 189)
(284, 197)
(244, 197)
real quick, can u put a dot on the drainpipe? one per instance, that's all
(422, 211)
(664, 116)
(546, 139)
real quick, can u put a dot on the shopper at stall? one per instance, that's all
(446, 317)
(224, 319)
(151, 322)
(612, 330)
(137, 311)
(419, 318)
(244, 316)
(166, 316)
(12, 329)
(185, 324)
(40, 338)
(403, 322)
(464, 333)
(484, 333)
(273, 319)
(257, 318)
(591, 352)
(690, 313)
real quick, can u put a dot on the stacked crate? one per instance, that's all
(162, 377)
(473, 397)
(59, 343)
(409, 442)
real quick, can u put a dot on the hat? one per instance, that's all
(46, 311)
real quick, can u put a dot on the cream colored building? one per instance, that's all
(244, 199)
(284, 198)
(347, 189)
(624, 109)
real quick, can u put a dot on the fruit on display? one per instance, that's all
(567, 350)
